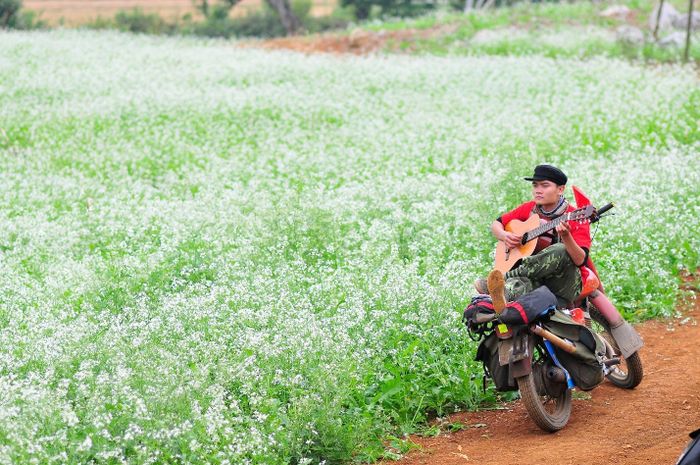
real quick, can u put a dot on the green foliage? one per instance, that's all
(100, 22)
(259, 23)
(217, 21)
(137, 21)
(301, 8)
(391, 8)
(9, 13)
(13, 16)
(340, 19)
(551, 29)
(264, 22)
(29, 19)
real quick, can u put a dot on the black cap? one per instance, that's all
(548, 173)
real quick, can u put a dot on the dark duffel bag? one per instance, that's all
(528, 307)
(585, 365)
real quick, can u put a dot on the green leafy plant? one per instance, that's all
(137, 21)
(9, 13)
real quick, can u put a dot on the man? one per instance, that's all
(560, 261)
(558, 256)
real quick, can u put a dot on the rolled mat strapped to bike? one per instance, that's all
(563, 344)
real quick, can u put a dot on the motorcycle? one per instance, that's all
(543, 366)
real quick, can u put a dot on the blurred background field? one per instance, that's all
(81, 12)
(625, 29)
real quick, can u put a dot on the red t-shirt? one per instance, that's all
(581, 232)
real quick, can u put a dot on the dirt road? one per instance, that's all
(357, 42)
(648, 425)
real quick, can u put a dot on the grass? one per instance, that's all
(565, 30)
(521, 14)
(214, 255)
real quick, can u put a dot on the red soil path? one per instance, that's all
(358, 42)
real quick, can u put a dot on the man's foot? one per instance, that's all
(496, 285)
(480, 286)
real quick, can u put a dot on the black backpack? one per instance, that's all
(487, 353)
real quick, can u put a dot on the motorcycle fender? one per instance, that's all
(505, 348)
(627, 338)
(521, 367)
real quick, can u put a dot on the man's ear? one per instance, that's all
(561, 189)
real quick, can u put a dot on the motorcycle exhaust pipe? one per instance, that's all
(556, 374)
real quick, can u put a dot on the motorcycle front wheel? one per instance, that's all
(550, 413)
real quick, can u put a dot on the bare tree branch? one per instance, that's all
(289, 20)
(687, 32)
(658, 20)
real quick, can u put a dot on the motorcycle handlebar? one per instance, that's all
(599, 212)
(605, 208)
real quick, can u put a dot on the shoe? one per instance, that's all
(480, 286)
(497, 285)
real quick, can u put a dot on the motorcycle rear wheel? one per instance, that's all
(629, 373)
(549, 413)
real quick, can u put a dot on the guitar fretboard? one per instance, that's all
(545, 227)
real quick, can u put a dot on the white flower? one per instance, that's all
(86, 445)
(217, 248)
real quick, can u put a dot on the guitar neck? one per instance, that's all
(544, 228)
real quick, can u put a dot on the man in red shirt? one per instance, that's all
(560, 262)
(558, 256)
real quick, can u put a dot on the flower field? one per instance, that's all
(216, 255)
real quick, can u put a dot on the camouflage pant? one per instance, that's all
(551, 267)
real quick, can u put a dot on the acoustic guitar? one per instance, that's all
(532, 229)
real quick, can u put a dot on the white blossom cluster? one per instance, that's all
(217, 255)
(571, 40)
